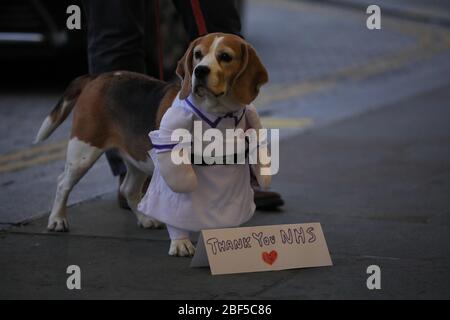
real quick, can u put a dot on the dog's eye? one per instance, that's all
(225, 57)
(198, 55)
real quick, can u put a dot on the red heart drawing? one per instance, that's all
(270, 257)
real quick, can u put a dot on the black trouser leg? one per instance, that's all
(118, 39)
(219, 16)
(116, 35)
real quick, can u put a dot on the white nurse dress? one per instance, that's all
(223, 197)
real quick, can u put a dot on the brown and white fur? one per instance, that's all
(117, 110)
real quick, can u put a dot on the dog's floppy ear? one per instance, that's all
(184, 71)
(250, 77)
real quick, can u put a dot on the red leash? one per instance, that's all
(199, 19)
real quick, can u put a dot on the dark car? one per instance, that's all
(34, 36)
(34, 28)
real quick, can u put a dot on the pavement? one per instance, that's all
(365, 149)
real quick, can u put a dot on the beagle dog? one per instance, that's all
(118, 110)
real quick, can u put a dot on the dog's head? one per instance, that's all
(220, 65)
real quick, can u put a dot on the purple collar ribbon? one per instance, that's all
(213, 124)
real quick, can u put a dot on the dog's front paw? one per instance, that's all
(148, 223)
(58, 224)
(181, 248)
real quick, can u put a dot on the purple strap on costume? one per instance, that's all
(214, 124)
(164, 146)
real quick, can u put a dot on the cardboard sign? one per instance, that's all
(263, 248)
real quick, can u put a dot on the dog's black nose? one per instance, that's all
(201, 71)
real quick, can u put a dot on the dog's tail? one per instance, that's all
(63, 107)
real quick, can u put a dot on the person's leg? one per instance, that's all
(116, 31)
(204, 16)
(116, 35)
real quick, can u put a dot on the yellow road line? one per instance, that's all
(288, 123)
(39, 155)
(431, 40)
(359, 72)
(42, 159)
(286, 92)
(32, 151)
